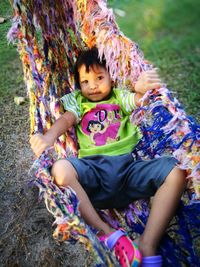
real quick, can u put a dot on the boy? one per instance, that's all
(105, 174)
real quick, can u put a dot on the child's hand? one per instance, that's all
(148, 80)
(39, 143)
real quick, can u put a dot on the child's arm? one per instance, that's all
(40, 142)
(147, 80)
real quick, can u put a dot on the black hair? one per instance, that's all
(88, 58)
(91, 123)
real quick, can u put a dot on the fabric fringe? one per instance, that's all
(49, 38)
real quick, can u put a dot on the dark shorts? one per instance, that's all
(115, 181)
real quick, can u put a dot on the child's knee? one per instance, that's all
(177, 176)
(63, 172)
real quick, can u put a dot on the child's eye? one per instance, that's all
(100, 78)
(84, 82)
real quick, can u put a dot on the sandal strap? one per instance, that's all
(152, 261)
(112, 239)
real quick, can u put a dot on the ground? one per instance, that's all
(26, 226)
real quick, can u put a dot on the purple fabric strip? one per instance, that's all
(112, 239)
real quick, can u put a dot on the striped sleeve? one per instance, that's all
(69, 102)
(127, 100)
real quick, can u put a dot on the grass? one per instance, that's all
(166, 30)
(11, 76)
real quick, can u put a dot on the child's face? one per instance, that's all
(95, 84)
(95, 128)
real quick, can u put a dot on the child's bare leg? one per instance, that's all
(65, 175)
(163, 208)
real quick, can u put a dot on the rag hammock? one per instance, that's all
(49, 35)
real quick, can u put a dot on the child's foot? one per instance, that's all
(149, 258)
(125, 250)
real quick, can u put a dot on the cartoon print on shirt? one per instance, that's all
(95, 127)
(102, 124)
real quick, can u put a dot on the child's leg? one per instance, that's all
(126, 252)
(65, 175)
(163, 208)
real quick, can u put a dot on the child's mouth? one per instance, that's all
(95, 93)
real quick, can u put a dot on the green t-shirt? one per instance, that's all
(103, 127)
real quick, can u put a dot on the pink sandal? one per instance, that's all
(125, 250)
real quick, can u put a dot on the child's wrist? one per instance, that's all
(49, 139)
(137, 87)
(138, 96)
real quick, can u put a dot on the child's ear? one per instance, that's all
(112, 83)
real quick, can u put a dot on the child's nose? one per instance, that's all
(93, 85)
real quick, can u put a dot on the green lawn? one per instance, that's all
(166, 30)
(11, 78)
